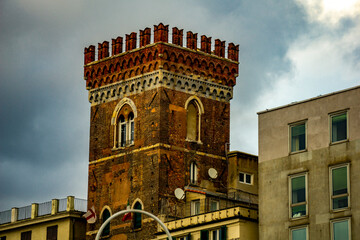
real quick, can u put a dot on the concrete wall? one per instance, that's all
(276, 164)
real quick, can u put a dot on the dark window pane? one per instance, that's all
(26, 235)
(298, 138)
(137, 216)
(248, 178)
(339, 127)
(298, 189)
(339, 180)
(241, 177)
(340, 202)
(298, 211)
(51, 233)
(106, 215)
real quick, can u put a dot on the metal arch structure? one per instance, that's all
(135, 211)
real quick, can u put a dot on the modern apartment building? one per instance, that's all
(309, 168)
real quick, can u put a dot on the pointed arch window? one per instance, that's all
(105, 216)
(194, 110)
(137, 216)
(123, 120)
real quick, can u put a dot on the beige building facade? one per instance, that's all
(59, 219)
(309, 168)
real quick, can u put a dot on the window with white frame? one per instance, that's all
(299, 233)
(193, 173)
(126, 130)
(123, 121)
(195, 207)
(298, 195)
(245, 178)
(339, 184)
(339, 127)
(341, 229)
(298, 136)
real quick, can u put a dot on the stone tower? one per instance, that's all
(160, 118)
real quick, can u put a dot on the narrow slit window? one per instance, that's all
(193, 173)
(137, 216)
(192, 114)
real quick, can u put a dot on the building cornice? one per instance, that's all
(194, 85)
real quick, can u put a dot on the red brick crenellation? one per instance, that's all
(149, 57)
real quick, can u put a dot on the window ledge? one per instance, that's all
(339, 210)
(299, 218)
(193, 141)
(121, 148)
(338, 142)
(296, 152)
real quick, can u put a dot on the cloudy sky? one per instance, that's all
(290, 50)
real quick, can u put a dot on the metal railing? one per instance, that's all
(80, 205)
(62, 204)
(24, 213)
(5, 217)
(44, 208)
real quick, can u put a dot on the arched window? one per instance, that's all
(194, 110)
(105, 216)
(123, 120)
(193, 173)
(137, 216)
(192, 122)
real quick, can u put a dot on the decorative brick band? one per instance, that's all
(174, 57)
(160, 78)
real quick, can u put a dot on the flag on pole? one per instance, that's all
(90, 215)
(127, 216)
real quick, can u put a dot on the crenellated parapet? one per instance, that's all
(190, 61)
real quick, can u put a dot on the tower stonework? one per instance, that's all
(160, 118)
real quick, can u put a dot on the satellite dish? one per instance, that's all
(179, 193)
(212, 173)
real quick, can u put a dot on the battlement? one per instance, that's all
(141, 56)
